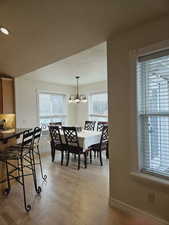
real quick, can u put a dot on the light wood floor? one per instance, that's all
(69, 197)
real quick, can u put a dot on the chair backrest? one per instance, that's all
(89, 125)
(27, 139)
(55, 135)
(100, 125)
(70, 134)
(37, 134)
(55, 124)
(104, 138)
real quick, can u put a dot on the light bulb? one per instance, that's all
(77, 100)
(4, 31)
(84, 100)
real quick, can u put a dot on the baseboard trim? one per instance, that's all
(114, 203)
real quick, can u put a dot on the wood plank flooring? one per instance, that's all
(70, 197)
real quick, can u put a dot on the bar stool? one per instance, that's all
(37, 136)
(23, 157)
(37, 131)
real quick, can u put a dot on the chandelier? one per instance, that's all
(77, 98)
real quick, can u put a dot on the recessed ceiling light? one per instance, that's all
(4, 31)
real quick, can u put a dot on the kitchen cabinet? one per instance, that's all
(7, 96)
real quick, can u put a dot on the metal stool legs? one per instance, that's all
(7, 190)
(37, 135)
(27, 206)
(37, 152)
(27, 162)
(32, 161)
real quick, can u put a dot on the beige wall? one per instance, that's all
(123, 148)
(82, 108)
(26, 100)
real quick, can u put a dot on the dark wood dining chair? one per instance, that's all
(89, 125)
(102, 146)
(72, 142)
(56, 142)
(100, 125)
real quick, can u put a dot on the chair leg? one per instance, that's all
(101, 161)
(62, 157)
(94, 154)
(27, 207)
(90, 156)
(68, 156)
(79, 161)
(44, 177)
(74, 156)
(85, 159)
(107, 154)
(52, 152)
(53, 159)
(51, 149)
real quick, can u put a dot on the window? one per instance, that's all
(153, 112)
(98, 108)
(52, 108)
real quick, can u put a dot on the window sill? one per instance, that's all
(98, 115)
(146, 178)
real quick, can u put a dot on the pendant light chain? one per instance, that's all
(77, 77)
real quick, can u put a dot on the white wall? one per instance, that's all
(26, 100)
(82, 108)
(122, 121)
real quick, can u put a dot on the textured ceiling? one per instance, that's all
(44, 31)
(90, 65)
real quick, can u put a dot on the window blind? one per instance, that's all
(98, 107)
(52, 108)
(153, 112)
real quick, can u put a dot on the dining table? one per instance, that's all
(86, 138)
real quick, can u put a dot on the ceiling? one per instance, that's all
(44, 31)
(90, 65)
